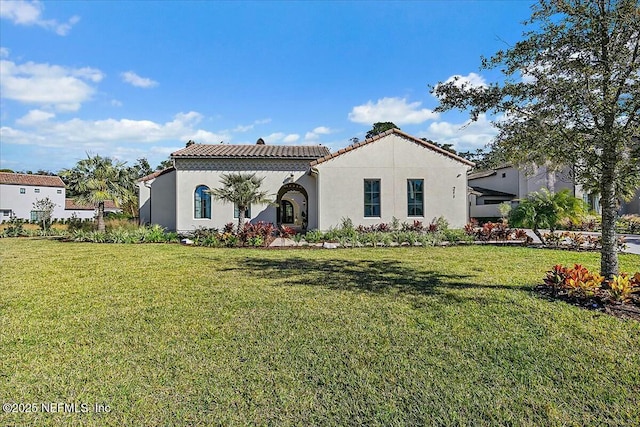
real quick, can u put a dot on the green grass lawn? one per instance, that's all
(172, 335)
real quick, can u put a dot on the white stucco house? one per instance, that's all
(18, 193)
(390, 175)
(508, 183)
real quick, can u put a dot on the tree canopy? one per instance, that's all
(96, 180)
(380, 127)
(570, 97)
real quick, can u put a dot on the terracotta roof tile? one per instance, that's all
(157, 174)
(70, 204)
(389, 132)
(303, 152)
(28, 179)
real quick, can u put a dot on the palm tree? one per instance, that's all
(95, 180)
(544, 209)
(242, 189)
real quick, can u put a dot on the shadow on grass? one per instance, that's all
(379, 276)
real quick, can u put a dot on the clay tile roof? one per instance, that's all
(71, 204)
(157, 174)
(28, 179)
(389, 132)
(303, 152)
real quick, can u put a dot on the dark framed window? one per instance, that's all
(37, 215)
(37, 190)
(415, 197)
(236, 211)
(23, 190)
(287, 212)
(371, 197)
(202, 203)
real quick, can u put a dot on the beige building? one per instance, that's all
(507, 183)
(391, 175)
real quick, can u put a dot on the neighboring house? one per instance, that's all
(18, 193)
(88, 211)
(390, 175)
(507, 183)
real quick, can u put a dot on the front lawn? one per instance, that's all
(173, 335)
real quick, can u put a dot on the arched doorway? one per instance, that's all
(292, 206)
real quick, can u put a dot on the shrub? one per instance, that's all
(581, 283)
(313, 236)
(621, 287)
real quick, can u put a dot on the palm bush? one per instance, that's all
(543, 209)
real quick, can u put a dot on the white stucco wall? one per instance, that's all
(509, 183)
(393, 160)
(190, 173)
(21, 205)
(162, 201)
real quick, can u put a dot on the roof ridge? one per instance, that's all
(387, 133)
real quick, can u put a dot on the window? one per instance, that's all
(287, 212)
(504, 175)
(59, 191)
(37, 190)
(23, 191)
(236, 211)
(371, 197)
(37, 216)
(202, 203)
(415, 197)
(6, 212)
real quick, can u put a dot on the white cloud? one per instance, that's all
(29, 13)
(62, 88)
(82, 134)
(322, 130)
(35, 117)
(246, 128)
(293, 137)
(4, 52)
(116, 103)
(315, 133)
(463, 136)
(137, 81)
(274, 138)
(395, 110)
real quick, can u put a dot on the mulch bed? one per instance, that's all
(627, 310)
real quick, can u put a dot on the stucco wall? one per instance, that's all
(162, 202)
(507, 184)
(191, 173)
(393, 160)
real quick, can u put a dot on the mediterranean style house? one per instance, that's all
(19, 192)
(390, 175)
(508, 183)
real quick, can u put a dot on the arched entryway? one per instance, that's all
(292, 206)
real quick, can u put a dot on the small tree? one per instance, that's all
(44, 208)
(242, 189)
(570, 97)
(544, 209)
(95, 180)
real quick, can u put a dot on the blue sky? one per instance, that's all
(140, 78)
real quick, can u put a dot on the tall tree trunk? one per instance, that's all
(609, 254)
(101, 227)
(241, 210)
